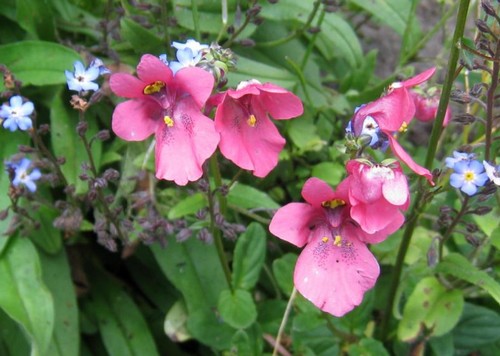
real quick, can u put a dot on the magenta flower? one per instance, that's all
(426, 108)
(335, 268)
(392, 113)
(377, 195)
(169, 106)
(247, 136)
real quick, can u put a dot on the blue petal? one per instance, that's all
(16, 101)
(79, 69)
(469, 188)
(175, 66)
(92, 73)
(27, 109)
(476, 167)
(30, 185)
(461, 167)
(24, 123)
(456, 180)
(10, 124)
(89, 86)
(35, 174)
(185, 56)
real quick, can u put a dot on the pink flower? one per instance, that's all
(247, 136)
(426, 108)
(168, 106)
(390, 114)
(335, 268)
(377, 195)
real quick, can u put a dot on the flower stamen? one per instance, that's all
(153, 88)
(325, 239)
(332, 204)
(404, 127)
(338, 241)
(251, 120)
(168, 121)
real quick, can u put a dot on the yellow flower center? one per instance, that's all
(404, 127)
(252, 121)
(332, 204)
(168, 121)
(325, 239)
(469, 176)
(153, 87)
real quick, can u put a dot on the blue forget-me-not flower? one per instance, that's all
(16, 115)
(492, 172)
(468, 175)
(23, 175)
(188, 54)
(83, 79)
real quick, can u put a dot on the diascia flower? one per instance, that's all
(335, 268)
(377, 195)
(248, 137)
(390, 115)
(426, 108)
(170, 107)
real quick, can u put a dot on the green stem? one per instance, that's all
(214, 168)
(284, 321)
(491, 102)
(164, 20)
(420, 203)
(452, 226)
(310, 46)
(196, 19)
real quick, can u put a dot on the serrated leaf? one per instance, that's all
(24, 296)
(283, 268)
(57, 276)
(121, 324)
(431, 306)
(249, 255)
(248, 197)
(38, 62)
(237, 308)
(458, 266)
(187, 206)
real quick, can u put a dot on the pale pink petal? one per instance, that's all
(395, 224)
(419, 78)
(152, 69)
(126, 85)
(135, 120)
(280, 105)
(196, 82)
(396, 190)
(374, 217)
(405, 157)
(182, 149)
(316, 191)
(335, 278)
(250, 89)
(294, 222)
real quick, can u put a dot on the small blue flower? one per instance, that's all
(16, 115)
(82, 79)
(188, 54)
(492, 172)
(99, 64)
(468, 176)
(163, 58)
(457, 157)
(21, 175)
(193, 45)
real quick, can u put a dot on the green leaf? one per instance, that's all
(35, 16)
(495, 238)
(57, 276)
(330, 172)
(249, 255)
(24, 296)
(478, 326)
(141, 39)
(121, 324)
(47, 237)
(248, 342)
(38, 62)
(248, 69)
(12, 338)
(238, 308)
(460, 267)
(187, 206)
(432, 306)
(283, 268)
(194, 269)
(367, 347)
(248, 197)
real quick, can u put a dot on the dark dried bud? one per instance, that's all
(476, 90)
(3, 214)
(488, 8)
(482, 26)
(460, 96)
(224, 190)
(61, 160)
(183, 235)
(254, 11)
(203, 185)
(314, 29)
(489, 189)
(97, 96)
(43, 129)
(81, 128)
(69, 220)
(471, 227)
(61, 204)
(111, 174)
(100, 183)
(92, 195)
(472, 240)
(482, 210)
(219, 220)
(201, 214)
(464, 119)
(330, 8)
(258, 20)
(484, 45)
(103, 135)
(84, 177)
(70, 189)
(109, 199)
(78, 103)
(446, 210)
(230, 30)
(247, 42)
(205, 236)
(26, 149)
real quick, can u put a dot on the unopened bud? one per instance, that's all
(476, 90)
(43, 129)
(81, 128)
(482, 210)
(254, 11)
(3, 214)
(61, 160)
(111, 174)
(464, 119)
(488, 8)
(472, 240)
(103, 135)
(100, 182)
(314, 29)
(460, 97)
(26, 149)
(247, 42)
(483, 26)
(183, 235)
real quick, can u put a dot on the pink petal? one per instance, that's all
(405, 157)
(292, 223)
(374, 217)
(152, 69)
(280, 105)
(126, 85)
(196, 82)
(395, 224)
(317, 191)
(396, 190)
(419, 78)
(335, 278)
(250, 89)
(182, 149)
(135, 120)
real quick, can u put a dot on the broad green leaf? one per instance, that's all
(66, 142)
(311, 336)
(194, 269)
(237, 308)
(330, 172)
(247, 197)
(38, 62)
(495, 238)
(248, 69)
(12, 339)
(458, 266)
(47, 237)
(283, 268)
(248, 342)
(304, 134)
(141, 39)
(121, 323)
(249, 255)
(24, 296)
(187, 206)
(478, 326)
(367, 347)
(35, 16)
(431, 306)
(57, 276)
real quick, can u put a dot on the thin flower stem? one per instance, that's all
(249, 214)
(240, 29)
(164, 20)
(196, 19)
(452, 226)
(312, 41)
(284, 321)
(491, 102)
(420, 202)
(214, 169)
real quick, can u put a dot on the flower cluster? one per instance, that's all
(336, 268)
(170, 103)
(17, 114)
(468, 173)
